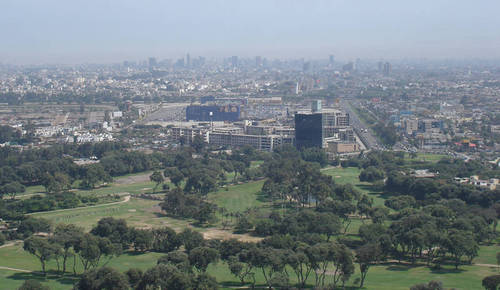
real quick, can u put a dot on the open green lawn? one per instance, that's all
(425, 157)
(135, 188)
(118, 186)
(350, 175)
(16, 257)
(487, 255)
(238, 198)
(235, 198)
(386, 276)
(137, 212)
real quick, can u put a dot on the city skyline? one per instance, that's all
(111, 31)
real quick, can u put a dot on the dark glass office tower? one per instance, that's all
(308, 130)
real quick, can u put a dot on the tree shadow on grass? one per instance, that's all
(69, 279)
(435, 270)
(262, 197)
(400, 267)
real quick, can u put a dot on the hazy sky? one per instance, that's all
(75, 31)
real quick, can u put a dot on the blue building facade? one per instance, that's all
(213, 113)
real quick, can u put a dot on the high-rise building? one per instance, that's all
(188, 60)
(306, 66)
(234, 61)
(258, 61)
(332, 59)
(316, 106)
(387, 68)
(380, 66)
(152, 62)
(308, 130)
(349, 66)
(311, 128)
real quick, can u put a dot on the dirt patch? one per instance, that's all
(133, 179)
(155, 209)
(225, 235)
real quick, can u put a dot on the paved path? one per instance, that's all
(486, 265)
(15, 269)
(126, 199)
(13, 243)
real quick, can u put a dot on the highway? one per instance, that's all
(360, 128)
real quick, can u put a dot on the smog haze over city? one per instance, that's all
(184, 145)
(96, 31)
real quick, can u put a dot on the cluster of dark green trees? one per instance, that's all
(69, 245)
(199, 176)
(9, 134)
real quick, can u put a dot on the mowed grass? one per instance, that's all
(488, 255)
(350, 175)
(137, 212)
(426, 157)
(112, 188)
(385, 276)
(16, 257)
(238, 198)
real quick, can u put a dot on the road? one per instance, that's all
(361, 129)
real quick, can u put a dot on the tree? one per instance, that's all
(243, 225)
(178, 259)
(33, 225)
(157, 178)
(191, 239)
(134, 275)
(205, 213)
(116, 230)
(42, 249)
(461, 243)
(379, 214)
(88, 251)
(175, 175)
(202, 256)
(400, 202)
(12, 189)
(371, 174)
(163, 276)
(142, 239)
(491, 282)
(498, 259)
(104, 278)
(165, 240)
(94, 174)
(365, 256)
(432, 285)
(56, 183)
(91, 249)
(302, 261)
(204, 281)
(32, 285)
(269, 260)
(239, 167)
(68, 236)
(198, 143)
(239, 268)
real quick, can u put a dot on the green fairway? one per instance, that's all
(350, 175)
(238, 198)
(137, 212)
(16, 257)
(488, 255)
(386, 276)
(425, 157)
